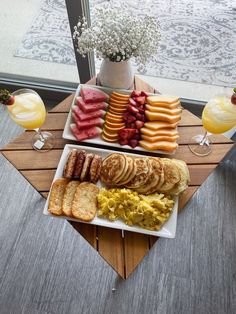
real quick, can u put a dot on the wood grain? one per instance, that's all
(110, 247)
(136, 247)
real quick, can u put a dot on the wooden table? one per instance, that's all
(122, 253)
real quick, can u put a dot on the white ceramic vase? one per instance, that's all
(116, 74)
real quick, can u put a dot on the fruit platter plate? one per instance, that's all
(120, 121)
(167, 230)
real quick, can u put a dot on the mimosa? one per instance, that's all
(28, 111)
(219, 115)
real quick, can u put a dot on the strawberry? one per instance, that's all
(143, 94)
(126, 134)
(133, 143)
(135, 94)
(139, 116)
(123, 142)
(131, 119)
(139, 124)
(141, 100)
(6, 98)
(132, 109)
(233, 97)
(132, 102)
(136, 137)
(125, 116)
(132, 125)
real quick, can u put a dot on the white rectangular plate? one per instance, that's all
(67, 134)
(168, 229)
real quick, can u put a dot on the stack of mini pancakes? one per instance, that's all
(145, 175)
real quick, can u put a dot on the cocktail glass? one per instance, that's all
(28, 111)
(219, 116)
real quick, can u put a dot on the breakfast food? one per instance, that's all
(113, 120)
(86, 167)
(82, 166)
(139, 190)
(149, 212)
(146, 175)
(85, 133)
(70, 164)
(92, 95)
(113, 167)
(95, 168)
(134, 118)
(162, 115)
(56, 196)
(79, 164)
(127, 119)
(87, 113)
(68, 197)
(87, 108)
(84, 205)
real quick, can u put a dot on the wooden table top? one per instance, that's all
(122, 253)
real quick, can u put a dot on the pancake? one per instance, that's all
(184, 177)
(155, 177)
(171, 175)
(129, 174)
(141, 174)
(113, 167)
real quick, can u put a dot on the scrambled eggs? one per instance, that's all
(147, 211)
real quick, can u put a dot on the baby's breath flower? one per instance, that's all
(117, 34)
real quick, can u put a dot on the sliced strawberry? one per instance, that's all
(132, 102)
(135, 93)
(139, 124)
(131, 119)
(143, 94)
(133, 143)
(139, 116)
(141, 100)
(132, 109)
(141, 110)
(123, 142)
(126, 134)
(125, 116)
(136, 137)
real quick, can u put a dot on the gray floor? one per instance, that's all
(46, 267)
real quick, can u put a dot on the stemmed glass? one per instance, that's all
(27, 109)
(219, 116)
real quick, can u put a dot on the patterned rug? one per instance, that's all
(198, 38)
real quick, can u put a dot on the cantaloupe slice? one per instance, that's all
(165, 131)
(174, 111)
(162, 145)
(158, 138)
(157, 125)
(154, 116)
(165, 105)
(162, 99)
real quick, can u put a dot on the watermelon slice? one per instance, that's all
(87, 123)
(86, 133)
(92, 95)
(87, 116)
(87, 108)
